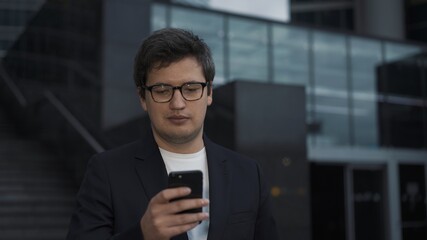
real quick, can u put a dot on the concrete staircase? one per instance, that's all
(36, 191)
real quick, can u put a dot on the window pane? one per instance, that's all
(331, 95)
(209, 26)
(365, 57)
(158, 17)
(402, 125)
(291, 60)
(290, 54)
(396, 51)
(248, 50)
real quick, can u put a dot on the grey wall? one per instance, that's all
(381, 18)
(126, 24)
(267, 123)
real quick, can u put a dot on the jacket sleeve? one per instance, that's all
(265, 226)
(93, 217)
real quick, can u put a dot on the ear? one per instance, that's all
(142, 99)
(143, 103)
(210, 94)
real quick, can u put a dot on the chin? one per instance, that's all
(180, 137)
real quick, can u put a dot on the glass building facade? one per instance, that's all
(366, 114)
(339, 71)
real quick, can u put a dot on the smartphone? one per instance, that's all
(192, 179)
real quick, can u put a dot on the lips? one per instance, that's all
(178, 119)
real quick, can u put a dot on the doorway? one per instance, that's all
(348, 202)
(367, 203)
(413, 201)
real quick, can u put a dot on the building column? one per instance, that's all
(395, 226)
(380, 18)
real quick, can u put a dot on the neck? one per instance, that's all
(192, 146)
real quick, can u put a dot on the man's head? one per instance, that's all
(173, 73)
(167, 46)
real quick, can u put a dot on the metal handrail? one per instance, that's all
(13, 87)
(51, 98)
(72, 120)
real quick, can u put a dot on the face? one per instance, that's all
(178, 121)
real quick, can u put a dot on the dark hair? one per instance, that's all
(167, 46)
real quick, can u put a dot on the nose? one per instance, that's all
(177, 101)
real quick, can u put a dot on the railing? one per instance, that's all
(16, 92)
(72, 120)
(51, 121)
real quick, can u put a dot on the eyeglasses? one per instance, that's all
(190, 91)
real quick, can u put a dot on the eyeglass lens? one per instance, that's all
(190, 92)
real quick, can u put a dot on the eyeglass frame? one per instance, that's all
(150, 88)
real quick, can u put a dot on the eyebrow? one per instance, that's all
(163, 83)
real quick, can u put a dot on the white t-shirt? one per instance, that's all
(186, 162)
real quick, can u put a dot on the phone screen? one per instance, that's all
(192, 179)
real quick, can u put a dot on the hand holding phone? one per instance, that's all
(161, 221)
(192, 179)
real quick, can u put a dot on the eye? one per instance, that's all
(192, 87)
(161, 90)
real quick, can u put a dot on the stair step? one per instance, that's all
(39, 205)
(24, 155)
(64, 209)
(37, 197)
(29, 158)
(10, 222)
(29, 173)
(6, 132)
(24, 197)
(38, 181)
(36, 187)
(21, 149)
(29, 184)
(37, 193)
(37, 190)
(20, 140)
(50, 233)
(29, 162)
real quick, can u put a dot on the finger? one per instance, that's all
(171, 193)
(186, 204)
(176, 230)
(171, 225)
(185, 219)
(160, 204)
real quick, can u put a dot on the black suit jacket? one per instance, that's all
(119, 184)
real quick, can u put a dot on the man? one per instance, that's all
(124, 194)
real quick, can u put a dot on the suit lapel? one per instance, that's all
(150, 167)
(151, 170)
(152, 173)
(219, 175)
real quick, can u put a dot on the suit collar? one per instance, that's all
(153, 176)
(150, 166)
(219, 190)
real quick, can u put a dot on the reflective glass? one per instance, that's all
(158, 17)
(290, 55)
(331, 89)
(365, 57)
(291, 59)
(402, 110)
(210, 27)
(397, 51)
(248, 50)
(197, 3)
